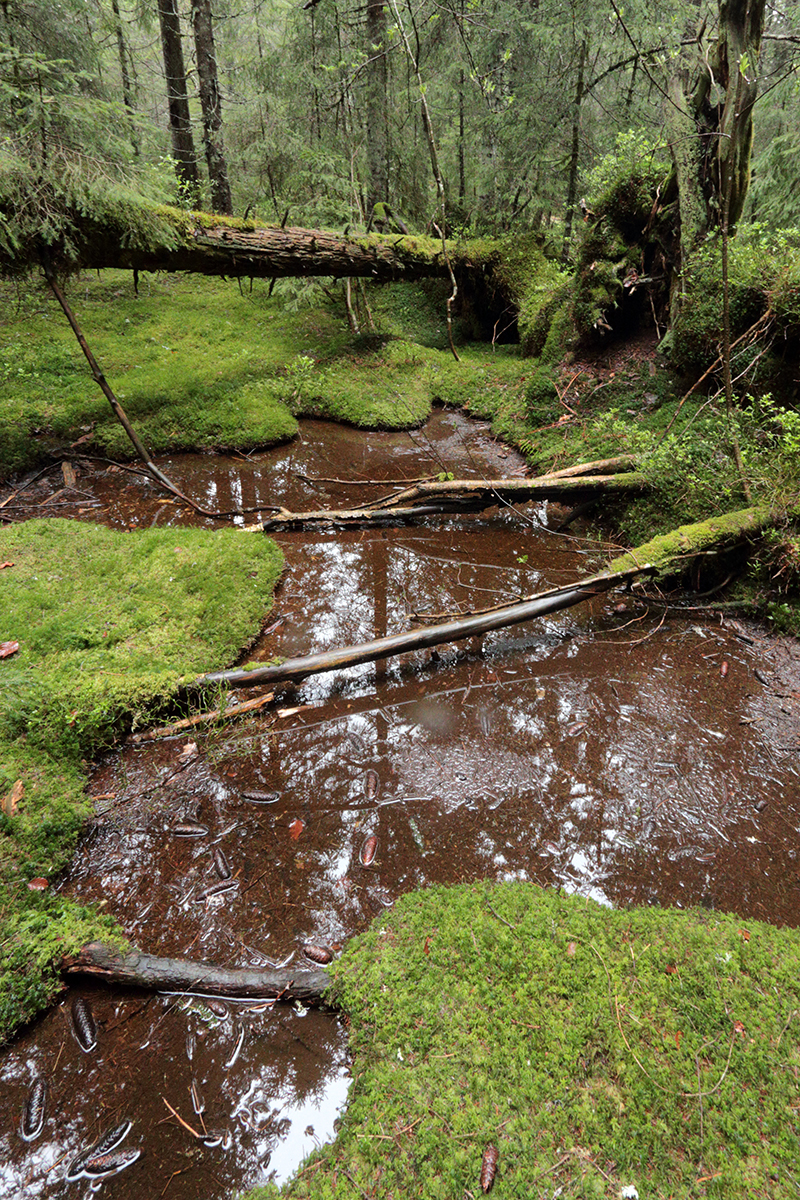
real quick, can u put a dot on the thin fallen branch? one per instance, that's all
(623, 462)
(458, 495)
(434, 635)
(134, 969)
(217, 714)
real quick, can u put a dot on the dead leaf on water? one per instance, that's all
(296, 828)
(188, 751)
(8, 648)
(10, 802)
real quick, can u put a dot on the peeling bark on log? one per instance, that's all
(460, 495)
(432, 635)
(271, 253)
(134, 969)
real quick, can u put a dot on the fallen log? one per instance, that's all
(453, 495)
(433, 635)
(133, 969)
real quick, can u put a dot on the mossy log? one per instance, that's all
(454, 495)
(670, 553)
(134, 969)
(208, 245)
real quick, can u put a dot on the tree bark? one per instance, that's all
(134, 969)
(242, 249)
(180, 125)
(572, 187)
(127, 89)
(376, 111)
(211, 105)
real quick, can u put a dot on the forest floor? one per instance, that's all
(202, 365)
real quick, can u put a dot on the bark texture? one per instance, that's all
(235, 250)
(211, 104)
(432, 635)
(180, 125)
(134, 969)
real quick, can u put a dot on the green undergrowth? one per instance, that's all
(111, 628)
(642, 1052)
(202, 363)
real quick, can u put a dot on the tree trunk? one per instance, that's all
(461, 495)
(127, 90)
(180, 125)
(134, 969)
(733, 67)
(377, 117)
(710, 131)
(572, 186)
(268, 252)
(211, 104)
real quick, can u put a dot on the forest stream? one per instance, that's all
(629, 753)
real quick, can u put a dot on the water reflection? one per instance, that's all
(601, 750)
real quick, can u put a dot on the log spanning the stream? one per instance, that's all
(458, 495)
(134, 969)
(433, 635)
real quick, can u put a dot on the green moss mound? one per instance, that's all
(597, 1050)
(110, 626)
(109, 623)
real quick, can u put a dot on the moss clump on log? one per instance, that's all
(597, 1050)
(670, 553)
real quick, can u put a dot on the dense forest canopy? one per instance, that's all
(315, 109)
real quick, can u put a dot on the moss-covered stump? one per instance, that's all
(109, 626)
(597, 1050)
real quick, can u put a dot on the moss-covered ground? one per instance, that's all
(645, 1052)
(110, 627)
(207, 364)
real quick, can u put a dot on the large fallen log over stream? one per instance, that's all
(432, 635)
(134, 969)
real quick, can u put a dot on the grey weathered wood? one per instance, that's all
(431, 635)
(134, 969)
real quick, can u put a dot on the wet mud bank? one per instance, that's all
(631, 755)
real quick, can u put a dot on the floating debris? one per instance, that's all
(261, 797)
(372, 785)
(33, 1115)
(211, 1140)
(217, 889)
(218, 1007)
(575, 728)
(318, 954)
(83, 1024)
(223, 867)
(103, 1146)
(189, 829)
(368, 850)
(111, 1163)
(198, 1103)
(237, 1050)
